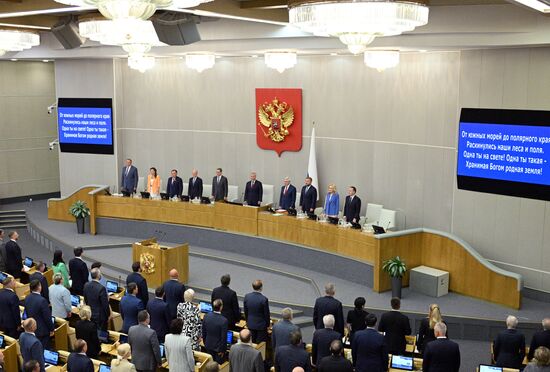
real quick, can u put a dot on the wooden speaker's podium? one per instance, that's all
(156, 261)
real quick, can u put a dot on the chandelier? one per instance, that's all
(381, 59)
(141, 62)
(357, 23)
(16, 41)
(280, 61)
(200, 61)
(120, 32)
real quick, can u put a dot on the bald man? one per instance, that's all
(194, 188)
(31, 347)
(243, 357)
(173, 292)
(78, 360)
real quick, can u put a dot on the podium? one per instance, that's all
(156, 261)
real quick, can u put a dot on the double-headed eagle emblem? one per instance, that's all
(277, 117)
(147, 263)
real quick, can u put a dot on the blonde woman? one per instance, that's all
(541, 362)
(87, 331)
(426, 332)
(332, 202)
(121, 363)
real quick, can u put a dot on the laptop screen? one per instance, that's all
(28, 262)
(206, 307)
(51, 357)
(402, 362)
(123, 339)
(112, 287)
(1, 342)
(24, 315)
(53, 320)
(161, 350)
(229, 337)
(104, 368)
(75, 300)
(487, 368)
(3, 276)
(103, 336)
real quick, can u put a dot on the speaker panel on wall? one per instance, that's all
(66, 32)
(176, 28)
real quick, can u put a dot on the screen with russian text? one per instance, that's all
(504, 152)
(85, 125)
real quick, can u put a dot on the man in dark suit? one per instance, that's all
(31, 348)
(39, 275)
(253, 191)
(159, 314)
(287, 200)
(78, 361)
(228, 296)
(130, 306)
(2, 252)
(95, 296)
(79, 272)
(220, 186)
(540, 338)
(173, 292)
(329, 305)
(214, 332)
(322, 339)
(141, 282)
(280, 332)
(336, 362)
(509, 346)
(130, 178)
(396, 326)
(10, 317)
(308, 196)
(14, 260)
(174, 187)
(38, 308)
(144, 345)
(368, 349)
(256, 313)
(194, 189)
(288, 357)
(442, 354)
(352, 208)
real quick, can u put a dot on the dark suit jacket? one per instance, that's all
(87, 330)
(369, 351)
(352, 209)
(308, 200)
(129, 182)
(79, 275)
(38, 308)
(130, 306)
(143, 289)
(256, 311)
(14, 261)
(328, 305)
(253, 195)
(160, 317)
(230, 308)
(194, 191)
(509, 349)
(288, 200)
(45, 292)
(541, 338)
(219, 189)
(214, 332)
(145, 348)
(288, 357)
(173, 291)
(322, 339)
(441, 355)
(2, 256)
(334, 364)
(174, 188)
(426, 334)
(31, 349)
(79, 363)
(95, 296)
(397, 326)
(10, 318)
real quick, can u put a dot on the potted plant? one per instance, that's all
(80, 211)
(396, 268)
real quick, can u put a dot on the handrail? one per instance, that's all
(98, 189)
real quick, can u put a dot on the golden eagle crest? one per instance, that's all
(147, 263)
(277, 117)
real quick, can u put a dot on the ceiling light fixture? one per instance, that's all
(381, 59)
(16, 41)
(200, 61)
(131, 34)
(281, 61)
(541, 6)
(358, 23)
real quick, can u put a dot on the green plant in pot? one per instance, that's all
(79, 211)
(396, 268)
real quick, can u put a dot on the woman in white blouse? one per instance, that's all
(178, 348)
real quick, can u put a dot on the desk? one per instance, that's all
(61, 334)
(11, 352)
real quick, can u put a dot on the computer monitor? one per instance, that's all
(164, 196)
(112, 287)
(51, 357)
(161, 346)
(145, 195)
(75, 300)
(488, 368)
(24, 315)
(229, 337)
(205, 307)
(103, 336)
(3, 276)
(28, 262)
(378, 229)
(123, 339)
(1, 342)
(104, 368)
(53, 320)
(402, 362)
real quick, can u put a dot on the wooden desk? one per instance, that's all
(11, 354)
(237, 218)
(61, 337)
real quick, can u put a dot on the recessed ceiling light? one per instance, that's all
(45, 60)
(422, 50)
(333, 54)
(541, 6)
(254, 56)
(13, 59)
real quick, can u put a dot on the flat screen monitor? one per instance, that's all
(85, 125)
(51, 357)
(161, 346)
(488, 368)
(24, 315)
(112, 287)
(229, 337)
(1, 342)
(53, 320)
(103, 336)
(205, 307)
(504, 152)
(75, 300)
(104, 368)
(123, 339)
(402, 362)
(28, 262)
(3, 276)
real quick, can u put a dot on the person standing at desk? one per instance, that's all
(332, 202)
(308, 196)
(253, 191)
(153, 182)
(14, 261)
(129, 182)
(220, 186)
(352, 208)
(174, 186)
(287, 200)
(194, 189)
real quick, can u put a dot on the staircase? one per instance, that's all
(11, 220)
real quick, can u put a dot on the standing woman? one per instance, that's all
(59, 267)
(426, 332)
(179, 350)
(190, 314)
(153, 182)
(332, 202)
(356, 320)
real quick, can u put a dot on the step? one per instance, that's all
(13, 226)
(12, 220)
(12, 213)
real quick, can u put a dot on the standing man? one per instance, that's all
(442, 354)
(290, 357)
(10, 317)
(130, 178)
(352, 208)
(280, 333)
(329, 305)
(336, 362)
(308, 196)
(14, 260)
(322, 339)
(130, 306)
(509, 346)
(287, 200)
(39, 275)
(243, 357)
(159, 314)
(144, 344)
(141, 282)
(2, 252)
(38, 308)
(220, 186)
(79, 272)
(31, 348)
(396, 326)
(174, 187)
(194, 188)
(256, 313)
(173, 291)
(214, 332)
(368, 349)
(95, 296)
(78, 361)
(540, 338)
(60, 298)
(253, 191)
(230, 309)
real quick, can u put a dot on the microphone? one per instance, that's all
(387, 227)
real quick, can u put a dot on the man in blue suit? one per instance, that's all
(10, 317)
(130, 178)
(173, 292)
(442, 354)
(78, 360)
(31, 348)
(38, 308)
(141, 282)
(287, 200)
(368, 349)
(214, 332)
(174, 187)
(253, 191)
(159, 314)
(308, 196)
(79, 272)
(130, 306)
(194, 188)
(39, 275)
(289, 357)
(328, 305)
(256, 313)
